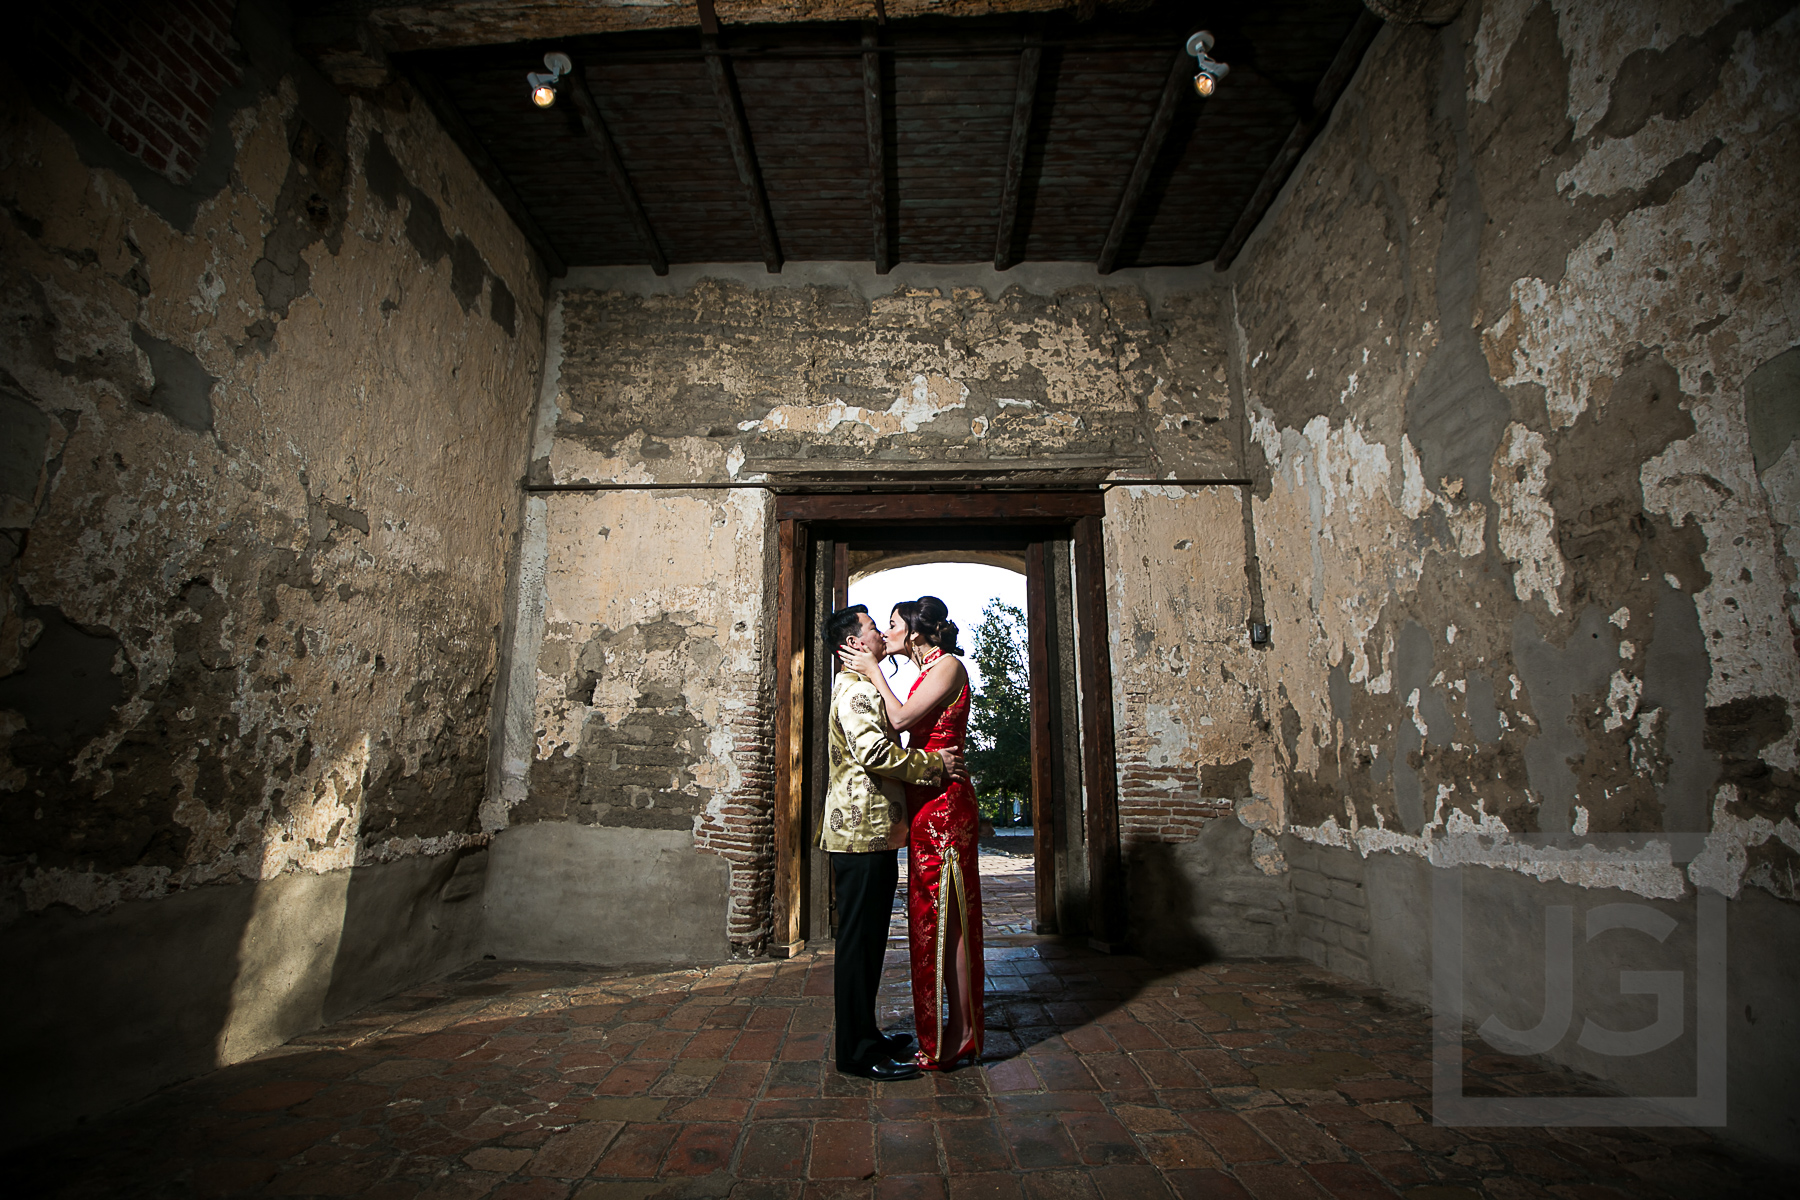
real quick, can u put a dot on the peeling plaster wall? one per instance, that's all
(650, 708)
(1512, 346)
(1193, 742)
(833, 367)
(653, 700)
(263, 435)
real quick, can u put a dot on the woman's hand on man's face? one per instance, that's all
(855, 658)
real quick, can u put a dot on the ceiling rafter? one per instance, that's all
(1069, 142)
(1174, 86)
(1025, 91)
(737, 132)
(602, 137)
(875, 117)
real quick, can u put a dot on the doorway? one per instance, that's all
(984, 591)
(1075, 845)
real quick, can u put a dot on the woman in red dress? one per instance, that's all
(943, 884)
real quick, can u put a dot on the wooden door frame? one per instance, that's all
(787, 906)
(1078, 512)
(1043, 830)
(1106, 873)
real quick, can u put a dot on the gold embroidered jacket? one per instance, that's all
(865, 805)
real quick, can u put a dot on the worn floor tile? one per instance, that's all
(1104, 1077)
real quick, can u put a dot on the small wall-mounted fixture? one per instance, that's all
(543, 84)
(1211, 71)
(1259, 634)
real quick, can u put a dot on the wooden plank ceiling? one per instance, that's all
(909, 140)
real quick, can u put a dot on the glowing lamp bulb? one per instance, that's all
(543, 83)
(1211, 69)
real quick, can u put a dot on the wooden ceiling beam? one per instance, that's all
(1325, 97)
(447, 24)
(875, 118)
(1180, 78)
(737, 133)
(1024, 102)
(602, 137)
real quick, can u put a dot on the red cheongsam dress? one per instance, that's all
(943, 900)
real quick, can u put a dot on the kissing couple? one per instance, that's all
(883, 796)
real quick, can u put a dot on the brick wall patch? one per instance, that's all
(148, 74)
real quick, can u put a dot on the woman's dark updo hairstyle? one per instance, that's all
(930, 619)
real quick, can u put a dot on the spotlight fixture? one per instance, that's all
(543, 84)
(1211, 70)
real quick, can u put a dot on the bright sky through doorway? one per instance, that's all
(965, 589)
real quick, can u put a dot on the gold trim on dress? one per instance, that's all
(962, 921)
(951, 880)
(943, 930)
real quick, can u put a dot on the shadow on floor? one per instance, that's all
(1088, 985)
(1125, 1077)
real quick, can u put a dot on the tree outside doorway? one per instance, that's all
(1000, 716)
(988, 605)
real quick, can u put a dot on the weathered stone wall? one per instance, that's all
(1185, 677)
(264, 423)
(653, 626)
(1513, 349)
(1195, 752)
(720, 380)
(652, 703)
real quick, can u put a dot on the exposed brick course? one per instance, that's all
(741, 829)
(148, 74)
(1157, 802)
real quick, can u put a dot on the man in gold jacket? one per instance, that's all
(865, 824)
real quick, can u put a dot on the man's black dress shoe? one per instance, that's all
(884, 1070)
(898, 1044)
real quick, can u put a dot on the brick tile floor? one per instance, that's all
(1108, 1078)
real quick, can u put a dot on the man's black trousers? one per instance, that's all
(865, 902)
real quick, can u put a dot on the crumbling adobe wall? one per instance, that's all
(1195, 754)
(1498, 346)
(1517, 352)
(651, 715)
(653, 697)
(720, 380)
(263, 431)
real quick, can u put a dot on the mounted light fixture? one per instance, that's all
(1211, 70)
(543, 84)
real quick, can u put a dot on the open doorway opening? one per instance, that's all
(1075, 876)
(985, 593)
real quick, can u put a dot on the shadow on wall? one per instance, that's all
(120, 1003)
(1201, 900)
(1189, 904)
(1164, 907)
